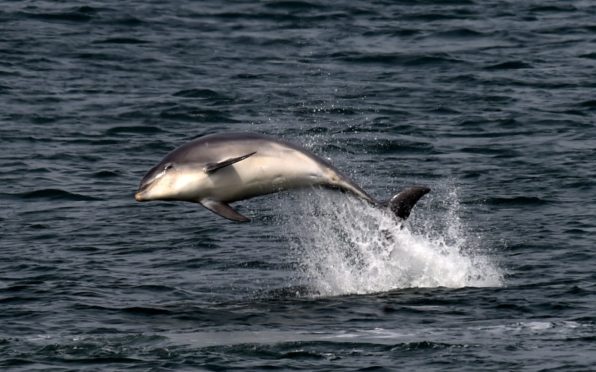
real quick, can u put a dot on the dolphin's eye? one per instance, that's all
(168, 166)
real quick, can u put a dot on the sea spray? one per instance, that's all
(343, 245)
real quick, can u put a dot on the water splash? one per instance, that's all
(346, 246)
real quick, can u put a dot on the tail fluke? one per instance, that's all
(401, 204)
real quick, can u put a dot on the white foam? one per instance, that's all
(345, 246)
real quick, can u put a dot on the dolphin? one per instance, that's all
(218, 169)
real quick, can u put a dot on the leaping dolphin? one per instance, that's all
(219, 169)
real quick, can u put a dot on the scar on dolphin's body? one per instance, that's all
(219, 169)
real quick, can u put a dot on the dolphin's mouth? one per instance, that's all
(139, 195)
(144, 187)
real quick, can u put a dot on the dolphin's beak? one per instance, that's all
(140, 195)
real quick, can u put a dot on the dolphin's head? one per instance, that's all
(170, 181)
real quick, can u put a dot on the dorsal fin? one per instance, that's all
(212, 167)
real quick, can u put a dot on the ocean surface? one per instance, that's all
(490, 103)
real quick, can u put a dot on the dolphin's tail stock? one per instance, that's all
(402, 203)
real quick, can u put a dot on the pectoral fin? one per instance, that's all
(223, 210)
(212, 167)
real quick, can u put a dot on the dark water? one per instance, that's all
(491, 103)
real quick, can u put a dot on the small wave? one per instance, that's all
(199, 93)
(79, 15)
(40, 119)
(294, 5)
(400, 32)
(430, 17)
(423, 345)
(96, 56)
(207, 95)
(388, 146)
(269, 16)
(296, 291)
(52, 194)
(121, 40)
(304, 110)
(127, 20)
(143, 310)
(105, 174)
(589, 55)
(552, 8)
(395, 58)
(589, 103)
(308, 344)
(460, 33)
(4, 89)
(509, 65)
(187, 113)
(139, 310)
(517, 201)
(142, 129)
